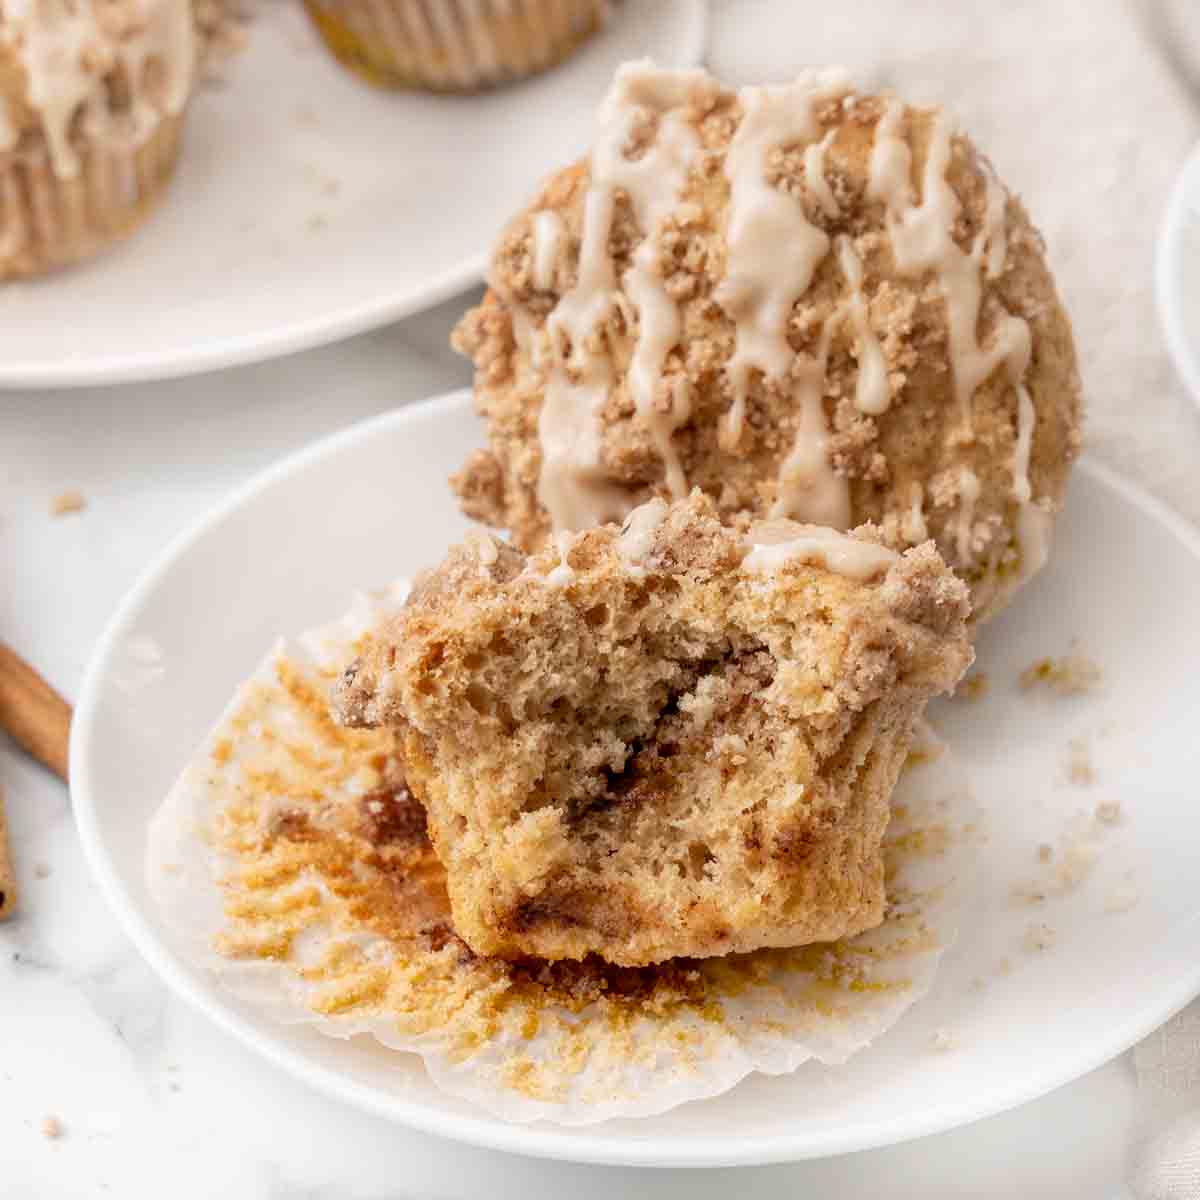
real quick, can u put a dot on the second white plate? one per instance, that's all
(1035, 993)
(309, 206)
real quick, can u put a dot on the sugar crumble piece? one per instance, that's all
(70, 501)
(944, 1040)
(1004, 967)
(41, 870)
(975, 686)
(52, 1128)
(1045, 853)
(1039, 936)
(1108, 812)
(1072, 675)
(1080, 771)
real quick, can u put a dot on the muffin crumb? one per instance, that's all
(1072, 675)
(65, 503)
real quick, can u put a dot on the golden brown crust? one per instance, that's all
(644, 748)
(913, 454)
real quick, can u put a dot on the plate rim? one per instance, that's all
(244, 349)
(308, 334)
(536, 1139)
(1183, 205)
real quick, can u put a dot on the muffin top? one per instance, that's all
(80, 73)
(808, 302)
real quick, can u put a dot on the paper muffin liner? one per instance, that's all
(453, 45)
(47, 221)
(261, 865)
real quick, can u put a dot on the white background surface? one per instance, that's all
(153, 1100)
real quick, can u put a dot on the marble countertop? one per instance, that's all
(151, 1098)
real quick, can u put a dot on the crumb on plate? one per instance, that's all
(1072, 675)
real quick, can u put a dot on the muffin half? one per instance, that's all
(668, 740)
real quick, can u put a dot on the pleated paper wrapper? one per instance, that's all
(290, 861)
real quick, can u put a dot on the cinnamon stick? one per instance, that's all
(8, 879)
(33, 713)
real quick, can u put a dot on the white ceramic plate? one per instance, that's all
(358, 509)
(309, 206)
(1177, 275)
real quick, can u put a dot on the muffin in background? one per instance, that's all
(453, 45)
(92, 101)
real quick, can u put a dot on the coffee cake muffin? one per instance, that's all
(810, 303)
(668, 739)
(453, 45)
(92, 102)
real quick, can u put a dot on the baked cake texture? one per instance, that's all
(809, 302)
(93, 95)
(671, 739)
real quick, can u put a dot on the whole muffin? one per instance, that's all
(92, 101)
(808, 302)
(453, 45)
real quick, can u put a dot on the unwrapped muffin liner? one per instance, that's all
(453, 45)
(295, 936)
(49, 221)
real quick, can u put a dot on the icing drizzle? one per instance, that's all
(772, 248)
(572, 486)
(776, 543)
(70, 51)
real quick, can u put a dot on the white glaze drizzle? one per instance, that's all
(1023, 446)
(564, 573)
(809, 488)
(637, 534)
(548, 231)
(773, 545)
(871, 395)
(572, 487)
(922, 240)
(995, 225)
(69, 52)
(814, 174)
(912, 526)
(772, 248)
(968, 496)
(1035, 527)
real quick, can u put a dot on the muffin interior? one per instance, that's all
(639, 745)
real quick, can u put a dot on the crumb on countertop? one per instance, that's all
(52, 1127)
(1079, 763)
(1108, 812)
(70, 501)
(41, 870)
(1072, 675)
(1045, 853)
(1039, 936)
(1122, 898)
